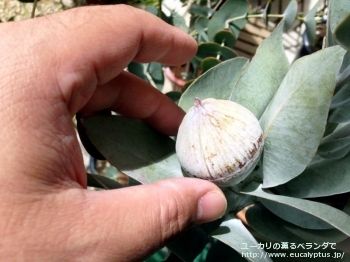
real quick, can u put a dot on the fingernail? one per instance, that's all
(211, 207)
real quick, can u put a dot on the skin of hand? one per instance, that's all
(53, 67)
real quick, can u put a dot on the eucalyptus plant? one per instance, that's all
(216, 26)
(298, 194)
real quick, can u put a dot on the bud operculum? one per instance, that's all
(220, 141)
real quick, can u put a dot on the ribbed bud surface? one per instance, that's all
(220, 141)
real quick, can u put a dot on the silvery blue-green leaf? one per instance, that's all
(339, 110)
(201, 10)
(340, 114)
(310, 24)
(347, 209)
(295, 120)
(155, 11)
(217, 82)
(330, 127)
(337, 144)
(322, 178)
(332, 216)
(341, 33)
(343, 78)
(290, 14)
(210, 49)
(178, 21)
(229, 10)
(236, 201)
(134, 147)
(338, 10)
(152, 73)
(102, 182)
(208, 63)
(233, 233)
(275, 228)
(225, 38)
(258, 84)
(342, 97)
(335, 149)
(200, 25)
(269, 225)
(341, 131)
(295, 216)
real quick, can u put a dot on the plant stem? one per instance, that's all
(275, 16)
(34, 7)
(255, 16)
(229, 21)
(245, 16)
(217, 5)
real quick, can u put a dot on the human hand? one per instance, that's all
(52, 68)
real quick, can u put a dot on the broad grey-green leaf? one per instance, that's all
(342, 97)
(295, 216)
(229, 10)
(225, 38)
(201, 10)
(152, 73)
(295, 120)
(343, 77)
(216, 83)
(328, 214)
(340, 105)
(102, 182)
(341, 131)
(208, 63)
(215, 50)
(341, 33)
(233, 233)
(273, 227)
(269, 225)
(330, 127)
(322, 178)
(310, 24)
(134, 147)
(200, 25)
(179, 21)
(341, 114)
(290, 14)
(258, 84)
(335, 149)
(338, 10)
(236, 201)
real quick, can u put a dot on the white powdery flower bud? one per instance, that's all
(220, 141)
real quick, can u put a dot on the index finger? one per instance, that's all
(108, 38)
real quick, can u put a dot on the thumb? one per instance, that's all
(136, 221)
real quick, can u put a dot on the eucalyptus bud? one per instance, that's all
(220, 141)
